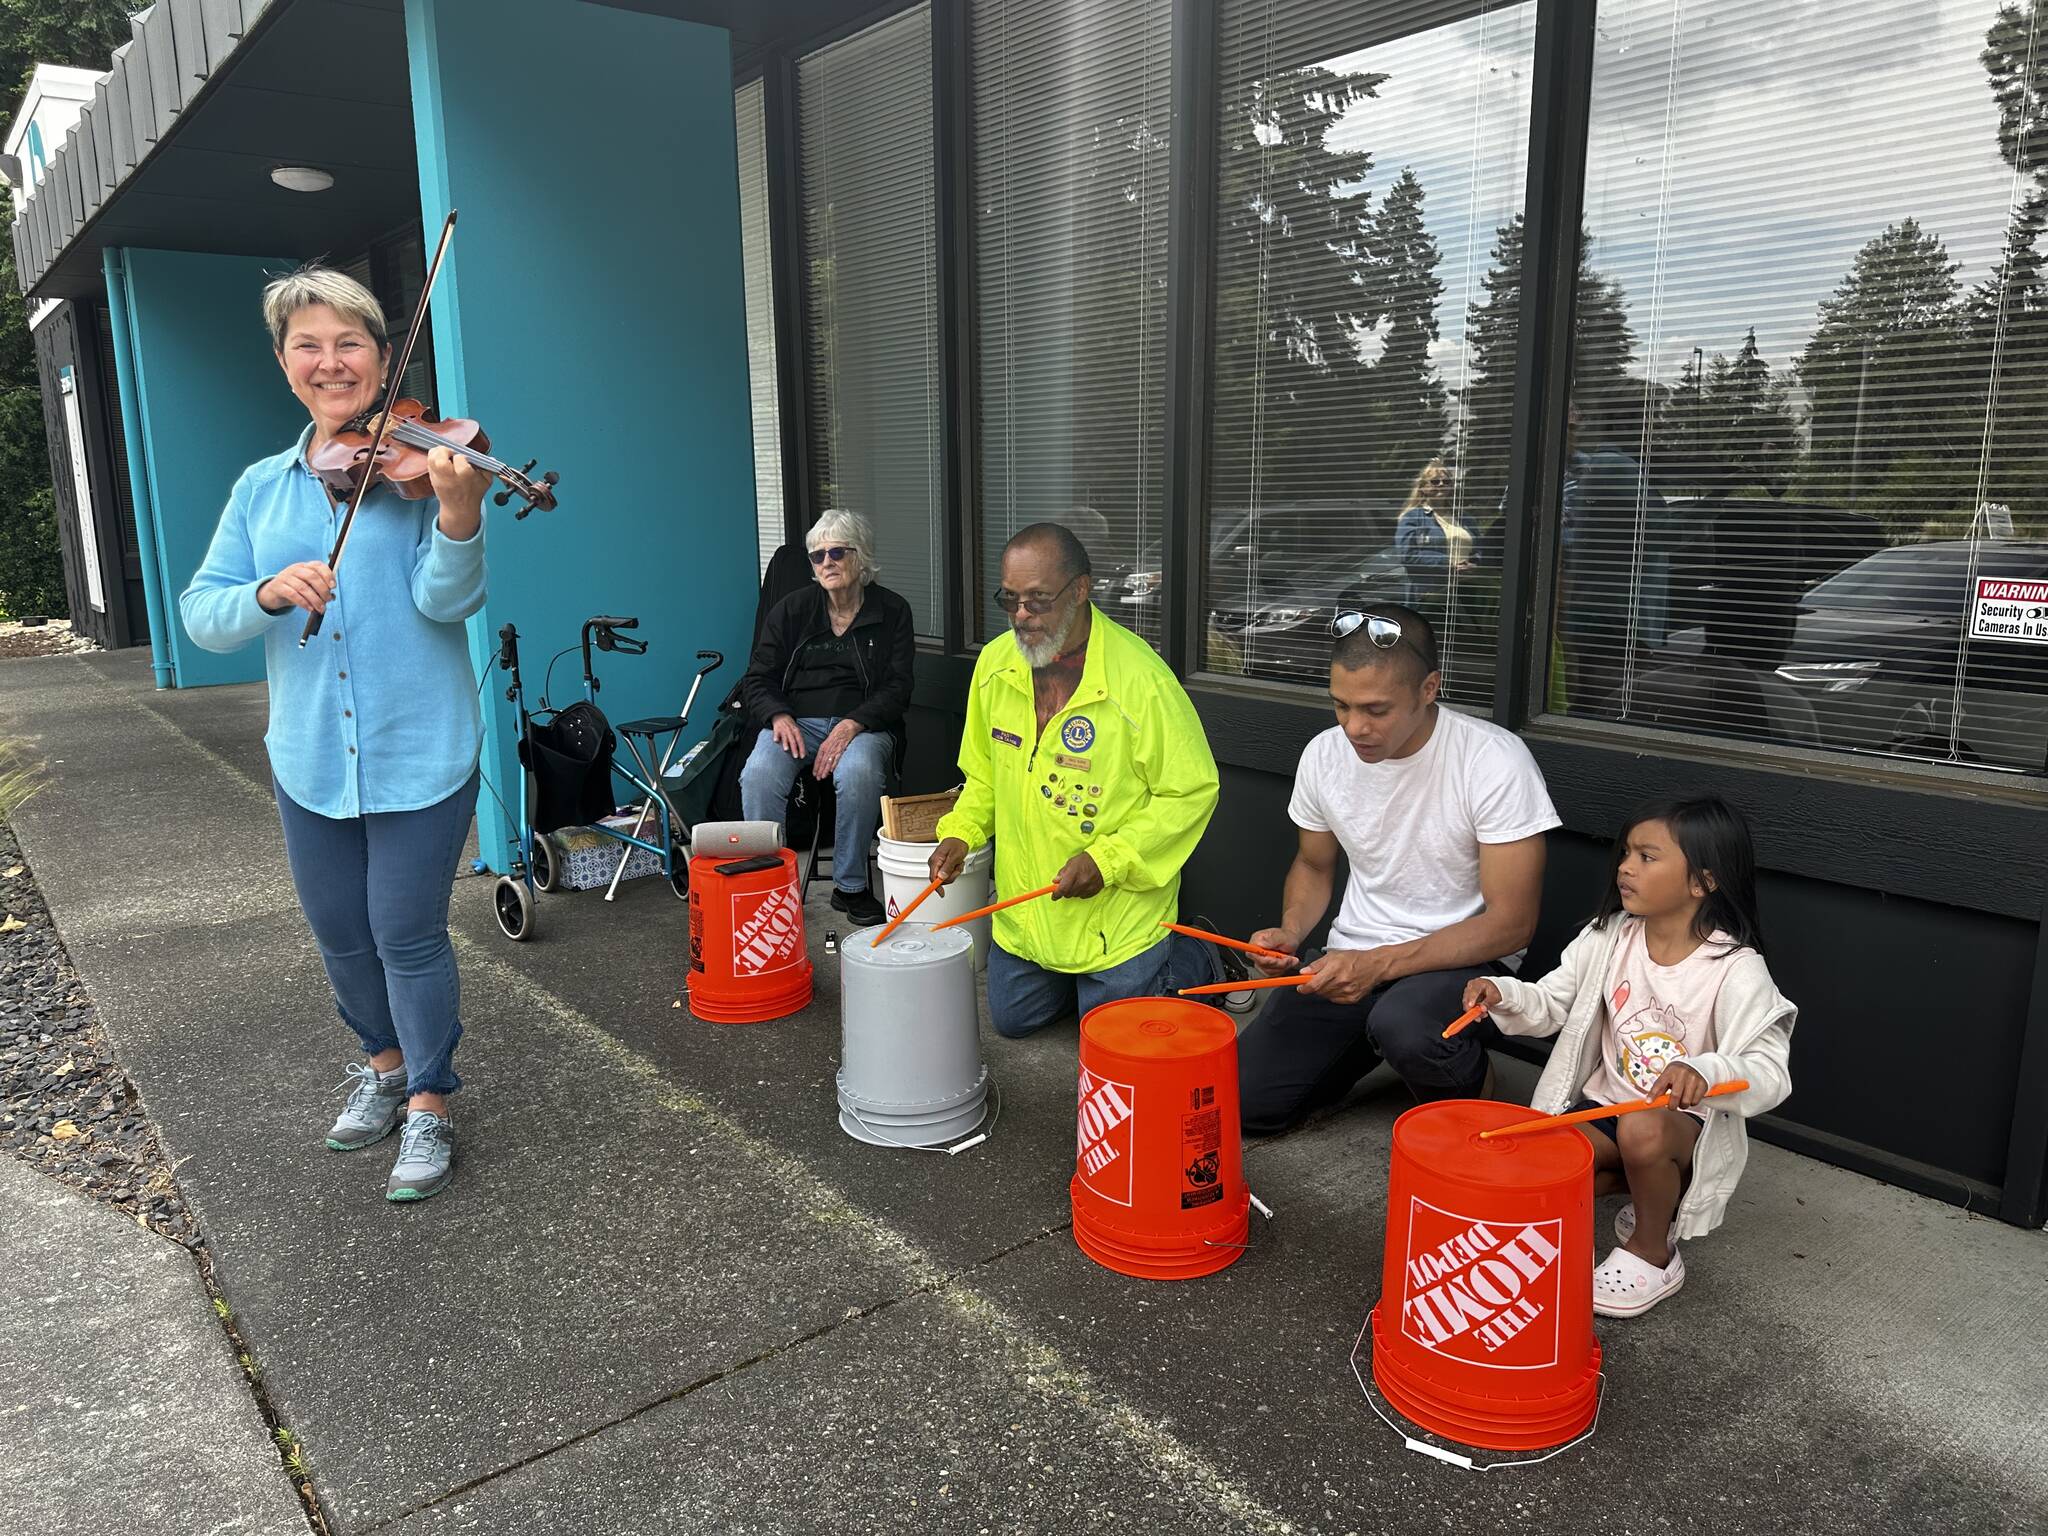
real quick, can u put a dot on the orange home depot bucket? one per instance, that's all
(1484, 1329)
(747, 956)
(1158, 1189)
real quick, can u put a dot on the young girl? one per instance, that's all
(1665, 991)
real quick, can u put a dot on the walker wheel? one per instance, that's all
(547, 863)
(679, 871)
(514, 907)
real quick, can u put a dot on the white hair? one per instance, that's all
(835, 525)
(284, 297)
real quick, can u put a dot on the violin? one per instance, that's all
(401, 456)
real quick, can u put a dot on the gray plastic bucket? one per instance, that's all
(910, 1069)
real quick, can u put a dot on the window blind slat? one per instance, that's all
(1071, 107)
(1371, 162)
(758, 268)
(867, 180)
(1812, 346)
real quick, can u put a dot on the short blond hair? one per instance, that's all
(284, 297)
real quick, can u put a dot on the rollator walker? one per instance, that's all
(650, 751)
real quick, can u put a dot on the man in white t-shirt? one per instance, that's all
(1442, 817)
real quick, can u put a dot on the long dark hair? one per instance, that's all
(1714, 838)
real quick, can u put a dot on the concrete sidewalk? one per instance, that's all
(667, 1293)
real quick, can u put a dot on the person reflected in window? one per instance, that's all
(1434, 546)
(827, 687)
(1602, 581)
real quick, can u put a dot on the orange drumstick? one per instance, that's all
(1471, 1015)
(1246, 986)
(1216, 938)
(968, 917)
(895, 922)
(1603, 1111)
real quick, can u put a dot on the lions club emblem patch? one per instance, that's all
(1078, 734)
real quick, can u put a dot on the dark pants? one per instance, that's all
(1303, 1052)
(375, 893)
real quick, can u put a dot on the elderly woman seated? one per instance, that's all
(827, 687)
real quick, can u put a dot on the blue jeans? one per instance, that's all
(858, 780)
(1023, 998)
(375, 893)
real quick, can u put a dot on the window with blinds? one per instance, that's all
(1071, 144)
(1807, 493)
(871, 343)
(1371, 158)
(750, 119)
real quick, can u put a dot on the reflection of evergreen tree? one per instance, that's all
(1404, 419)
(1726, 429)
(1891, 420)
(1603, 347)
(1297, 286)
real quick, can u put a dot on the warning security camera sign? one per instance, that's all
(2010, 610)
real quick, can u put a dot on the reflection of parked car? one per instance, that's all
(1874, 651)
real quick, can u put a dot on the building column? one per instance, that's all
(591, 315)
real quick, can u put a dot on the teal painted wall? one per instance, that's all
(590, 314)
(212, 402)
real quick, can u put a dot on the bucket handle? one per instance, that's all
(988, 1127)
(1261, 1207)
(1452, 1458)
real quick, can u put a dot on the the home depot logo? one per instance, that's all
(767, 930)
(1484, 1292)
(1103, 1142)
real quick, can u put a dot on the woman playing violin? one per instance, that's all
(374, 729)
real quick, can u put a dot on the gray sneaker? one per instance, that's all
(426, 1157)
(375, 1106)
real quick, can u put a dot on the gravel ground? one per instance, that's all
(52, 639)
(65, 1106)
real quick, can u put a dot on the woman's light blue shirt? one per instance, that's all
(379, 711)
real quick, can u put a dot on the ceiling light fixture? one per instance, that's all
(301, 178)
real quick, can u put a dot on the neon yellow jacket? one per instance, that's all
(1123, 772)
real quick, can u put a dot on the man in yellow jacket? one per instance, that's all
(1087, 763)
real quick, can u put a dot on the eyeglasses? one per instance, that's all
(832, 552)
(1010, 601)
(1384, 633)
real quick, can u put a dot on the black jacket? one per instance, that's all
(883, 652)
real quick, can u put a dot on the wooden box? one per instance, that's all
(915, 818)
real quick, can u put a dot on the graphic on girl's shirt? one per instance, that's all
(1646, 1041)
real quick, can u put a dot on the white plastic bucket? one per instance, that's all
(910, 1069)
(907, 869)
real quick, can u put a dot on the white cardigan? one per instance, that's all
(1752, 1026)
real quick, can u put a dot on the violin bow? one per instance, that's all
(393, 388)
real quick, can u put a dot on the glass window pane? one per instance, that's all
(1811, 385)
(750, 118)
(1371, 161)
(864, 107)
(1070, 182)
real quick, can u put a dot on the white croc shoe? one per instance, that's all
(1626, 1286)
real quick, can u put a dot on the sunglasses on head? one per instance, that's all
(833, 552)
(1010, 601)
(1384, 633)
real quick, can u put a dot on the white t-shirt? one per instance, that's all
(1412, 827)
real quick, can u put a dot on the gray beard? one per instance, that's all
(1047, 651)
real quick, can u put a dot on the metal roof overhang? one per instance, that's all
(175, 150)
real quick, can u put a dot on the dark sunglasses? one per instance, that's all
(833, 552)
(1384, 633)
(1010, 601)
